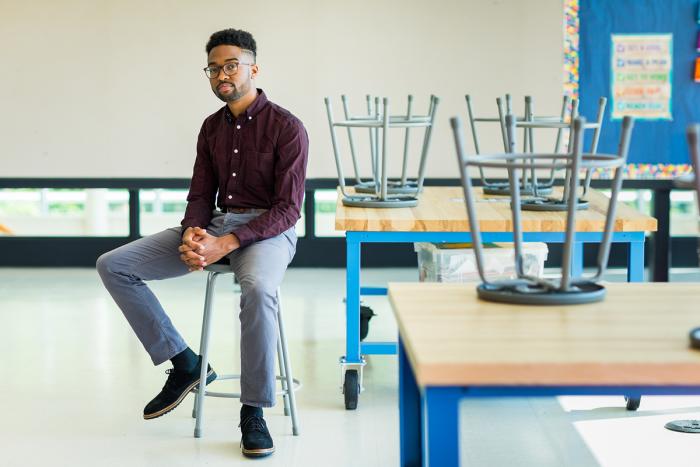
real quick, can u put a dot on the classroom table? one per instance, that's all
(453, 345)
(441, 217)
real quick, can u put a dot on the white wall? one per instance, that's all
(93, 88)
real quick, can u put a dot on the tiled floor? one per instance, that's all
(75, 380)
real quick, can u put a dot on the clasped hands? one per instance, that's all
(199, 248)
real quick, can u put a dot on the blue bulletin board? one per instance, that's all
(658, 140)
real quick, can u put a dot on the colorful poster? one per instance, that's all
(641, 76)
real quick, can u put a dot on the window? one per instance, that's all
(161, 209)
(49, 212)
(684, 214)
(325, 202)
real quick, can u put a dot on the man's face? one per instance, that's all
(230, 88)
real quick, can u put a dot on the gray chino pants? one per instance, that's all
(259, 268)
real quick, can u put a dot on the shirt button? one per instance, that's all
(233, 174)
(235, 151)
(238, 127)
(229, 196)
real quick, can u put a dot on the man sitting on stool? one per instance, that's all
(254, 153)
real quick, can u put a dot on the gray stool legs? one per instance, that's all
(203, 351)
(289, 384)
(283, 377)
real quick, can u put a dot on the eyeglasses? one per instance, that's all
(230, 69)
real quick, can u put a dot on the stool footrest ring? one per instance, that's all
(237, 395)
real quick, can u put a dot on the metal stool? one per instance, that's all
(690, 181)
(561, 204)
(527, 188)
(402, 185)
(559, 123)
(567, 289)
(381, 191)
(289, 384)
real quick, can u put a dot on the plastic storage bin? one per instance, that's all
(455, 262)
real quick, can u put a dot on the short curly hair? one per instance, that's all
(237, 37)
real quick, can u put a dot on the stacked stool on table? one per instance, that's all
(382, 191)
(559, 122)
(526, 290)
(552, 203)
(536, 190)
(691, 182)
(566, 288)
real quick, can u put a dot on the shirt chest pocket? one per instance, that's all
(260, 173)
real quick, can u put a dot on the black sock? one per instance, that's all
(250, 411)
(185, 361)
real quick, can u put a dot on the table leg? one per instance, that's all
(577, 260)
(409, 413)
(635, 273)
(441, 426)
(635, 262)
(352, 299)
(661, 239)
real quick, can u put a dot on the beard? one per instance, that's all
(235, 94)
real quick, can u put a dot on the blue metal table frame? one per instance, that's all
(429, 416)
(354, 349)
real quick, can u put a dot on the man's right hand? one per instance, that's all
(190, 239)
(189, 250)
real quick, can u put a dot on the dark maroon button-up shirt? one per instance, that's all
(257, 160)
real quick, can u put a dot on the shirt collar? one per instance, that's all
(252, 110)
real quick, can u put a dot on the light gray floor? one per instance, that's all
(75, 381)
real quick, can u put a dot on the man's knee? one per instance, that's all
(103, 263)
(108, 263)
(257, 288)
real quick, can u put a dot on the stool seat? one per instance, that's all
(219, 268)
(288, 383)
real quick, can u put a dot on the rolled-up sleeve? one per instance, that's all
(203, 187)
(290, 178)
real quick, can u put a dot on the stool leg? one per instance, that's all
(201, 339)
(287, 367)
(283, 375)
(204, 350)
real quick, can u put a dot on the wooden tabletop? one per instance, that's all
(442, 209)
(637, 336)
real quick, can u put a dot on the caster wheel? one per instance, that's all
(351, 389)
(633, 402)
